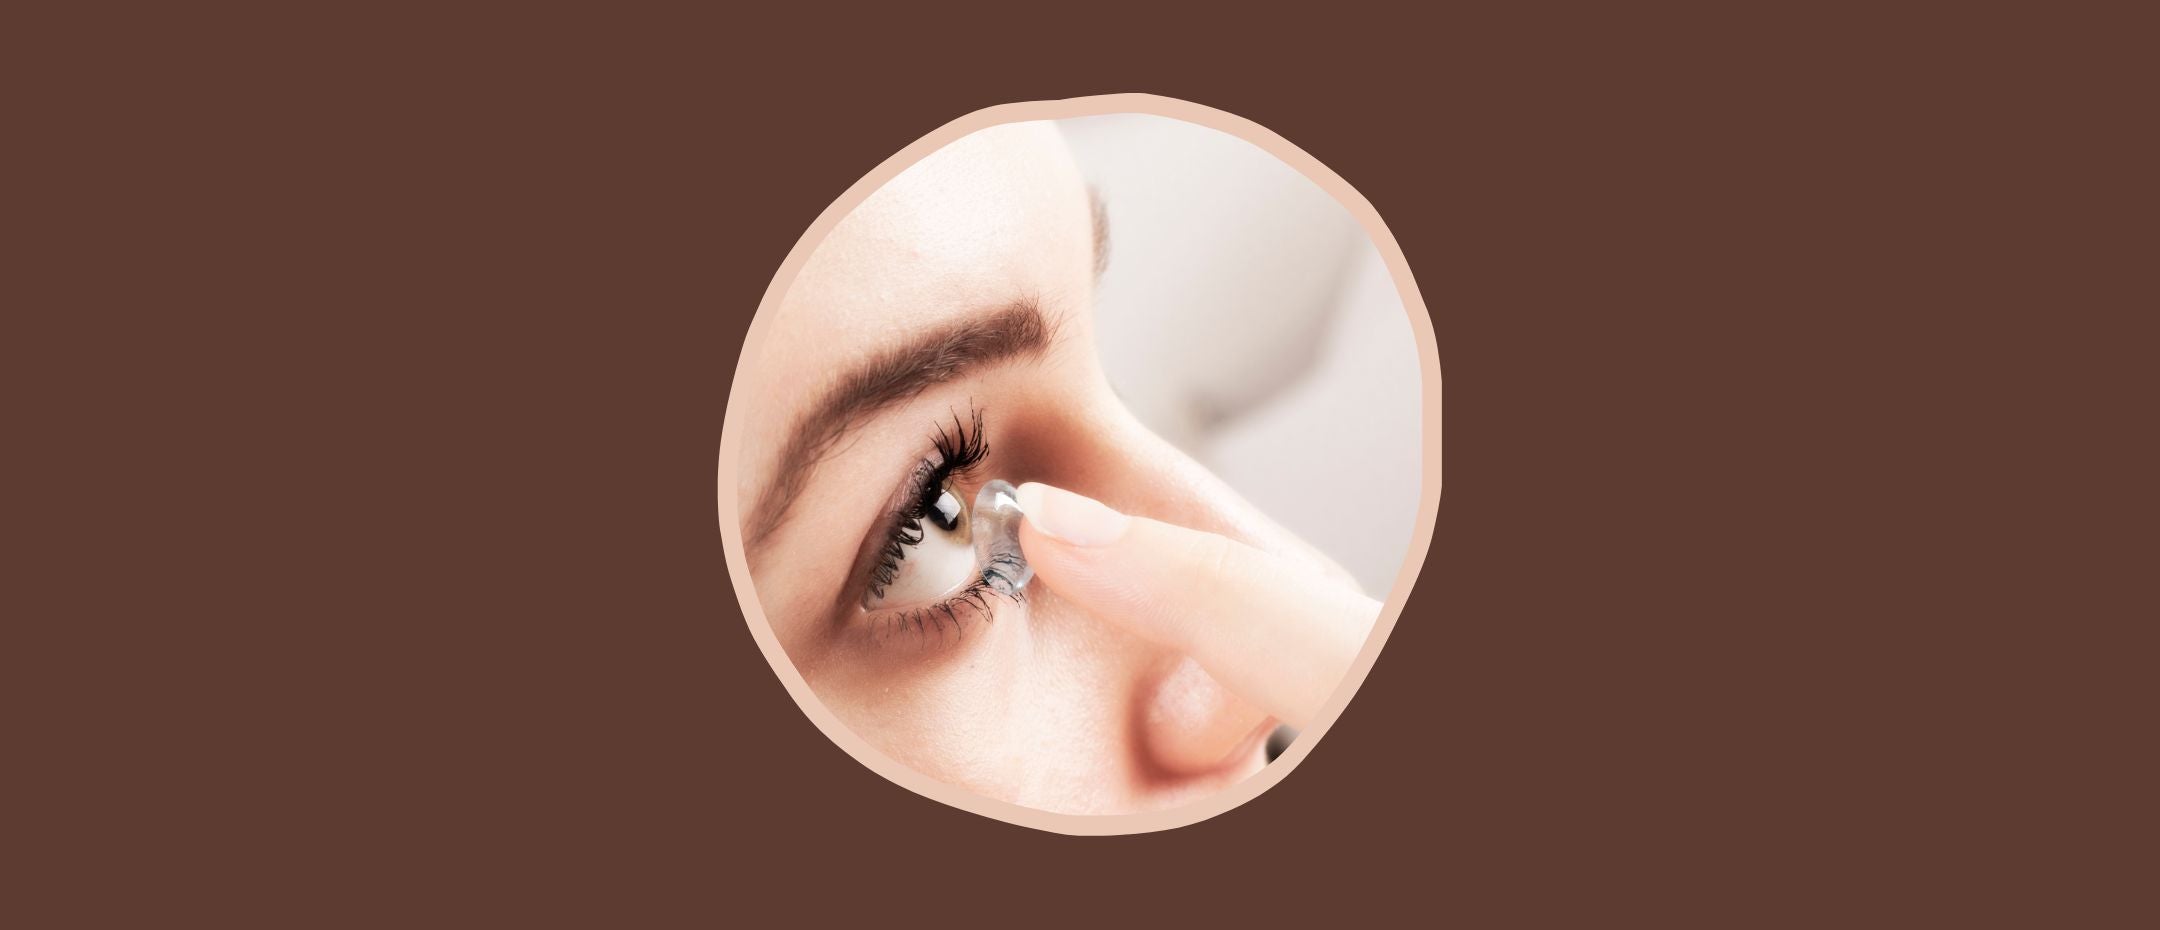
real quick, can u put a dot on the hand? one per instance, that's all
(1273, 631)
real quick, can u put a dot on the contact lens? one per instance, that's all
(996, 527)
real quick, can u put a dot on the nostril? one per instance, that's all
(1193, 725)
(1278, 741)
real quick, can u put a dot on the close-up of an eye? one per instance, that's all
(934, 553)
(929, 557)
(1140, 603)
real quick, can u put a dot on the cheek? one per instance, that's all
(942, 704)
(1045, 707)
(1136, 722)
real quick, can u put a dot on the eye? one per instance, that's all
(928, 558)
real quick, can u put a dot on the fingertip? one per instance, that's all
(1046, 554)
(1030, 496)
(1075, 519)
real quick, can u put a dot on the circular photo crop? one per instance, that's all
(1079, 461)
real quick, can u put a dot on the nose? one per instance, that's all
(1179, 722)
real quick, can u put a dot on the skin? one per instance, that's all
(1278, 634)
(1045, 702)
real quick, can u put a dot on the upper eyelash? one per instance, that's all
(959, 451)
(965, 447)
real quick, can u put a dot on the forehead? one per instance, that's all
(997, 215)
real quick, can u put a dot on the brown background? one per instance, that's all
(367, 375)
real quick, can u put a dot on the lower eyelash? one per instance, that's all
(1002, 576)
(994, 582)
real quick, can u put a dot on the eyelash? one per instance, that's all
(958, 453)
(975, 599)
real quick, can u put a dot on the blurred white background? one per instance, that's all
(1248, 319)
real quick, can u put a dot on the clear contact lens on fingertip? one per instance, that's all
(996, 528)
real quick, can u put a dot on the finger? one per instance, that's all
(1273, 631)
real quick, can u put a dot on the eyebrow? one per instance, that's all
(893, 375)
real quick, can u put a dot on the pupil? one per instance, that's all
(946, 511)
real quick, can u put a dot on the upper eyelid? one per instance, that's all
(1022, 328)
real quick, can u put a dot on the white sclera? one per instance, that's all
(996, 527)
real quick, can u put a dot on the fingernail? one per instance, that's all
(1081, 521)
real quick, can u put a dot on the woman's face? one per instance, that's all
(940, 337)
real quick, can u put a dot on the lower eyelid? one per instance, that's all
(946, 619)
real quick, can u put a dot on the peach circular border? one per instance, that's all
(1428, 492)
